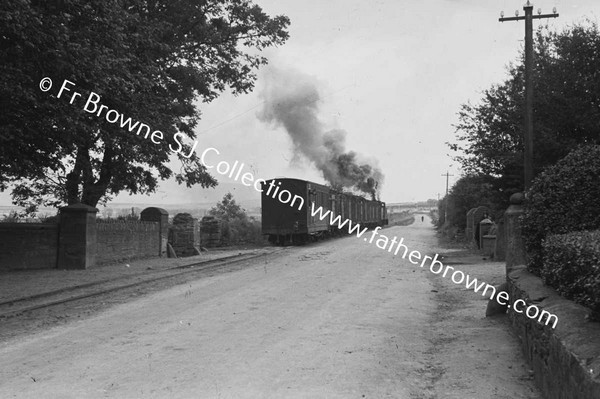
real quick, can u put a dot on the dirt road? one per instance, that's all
(335, 319)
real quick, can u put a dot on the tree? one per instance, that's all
(468, 192)
(566, 109)
(148, 60)
(228, 210)
(236, 225)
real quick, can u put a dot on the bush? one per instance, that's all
(53, 219)
(236, 226)
(472, 191)
(564, 198)
(238, 231)
(572, 266)
(12, 217)
(434, 215)
(130, 217)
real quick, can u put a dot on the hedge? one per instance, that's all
(572, 266)
(562, 199)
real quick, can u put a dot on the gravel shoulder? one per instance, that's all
(475, 356)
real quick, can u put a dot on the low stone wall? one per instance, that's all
(123, 240)
(28, 246)
(565, 360)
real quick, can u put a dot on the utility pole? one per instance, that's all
(447, 174)
(528, 121)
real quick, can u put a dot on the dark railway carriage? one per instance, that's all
(287, 206)
(290, 220)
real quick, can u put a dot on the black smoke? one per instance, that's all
(291, 99)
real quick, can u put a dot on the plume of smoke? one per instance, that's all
(291, 99)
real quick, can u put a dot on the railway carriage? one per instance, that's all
(287, 206)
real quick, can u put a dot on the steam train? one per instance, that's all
(288, 206)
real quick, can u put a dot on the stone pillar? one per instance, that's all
(184, 235)
(515, 247)
(478, 215)
(210, 232)
(484, 229)
(161, 216)
(77, 237)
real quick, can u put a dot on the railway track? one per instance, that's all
(178, 274)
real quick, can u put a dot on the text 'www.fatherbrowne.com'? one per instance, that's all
(436, 266)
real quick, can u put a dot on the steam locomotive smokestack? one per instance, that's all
(292, 101)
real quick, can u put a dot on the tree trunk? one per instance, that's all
(74, 177)
(93, 191)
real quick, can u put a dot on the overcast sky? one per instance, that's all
(391, 73)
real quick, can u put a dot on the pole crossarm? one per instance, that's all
(448, 175)
(541, 16)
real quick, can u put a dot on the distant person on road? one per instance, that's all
(422, 219)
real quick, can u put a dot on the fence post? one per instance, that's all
(161, 216)
(77, 237)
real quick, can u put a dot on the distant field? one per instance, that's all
(6, 209)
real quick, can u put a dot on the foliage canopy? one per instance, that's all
(470, 191)
(149, 60)
(566, 109)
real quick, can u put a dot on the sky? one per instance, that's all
(392, 74)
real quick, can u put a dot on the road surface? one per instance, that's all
(335, 319)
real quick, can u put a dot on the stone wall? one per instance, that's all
(565, 360)
(79, 241)
(124, 240)
(28, 246)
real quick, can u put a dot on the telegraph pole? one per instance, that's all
(447, 174)
(528, 121)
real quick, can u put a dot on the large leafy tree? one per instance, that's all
(470, 191)
(228, 210)
(566, 109)
(235, 223)
(150, 60)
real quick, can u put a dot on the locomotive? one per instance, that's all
(288, 204)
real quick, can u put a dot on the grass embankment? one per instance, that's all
(401, 219)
